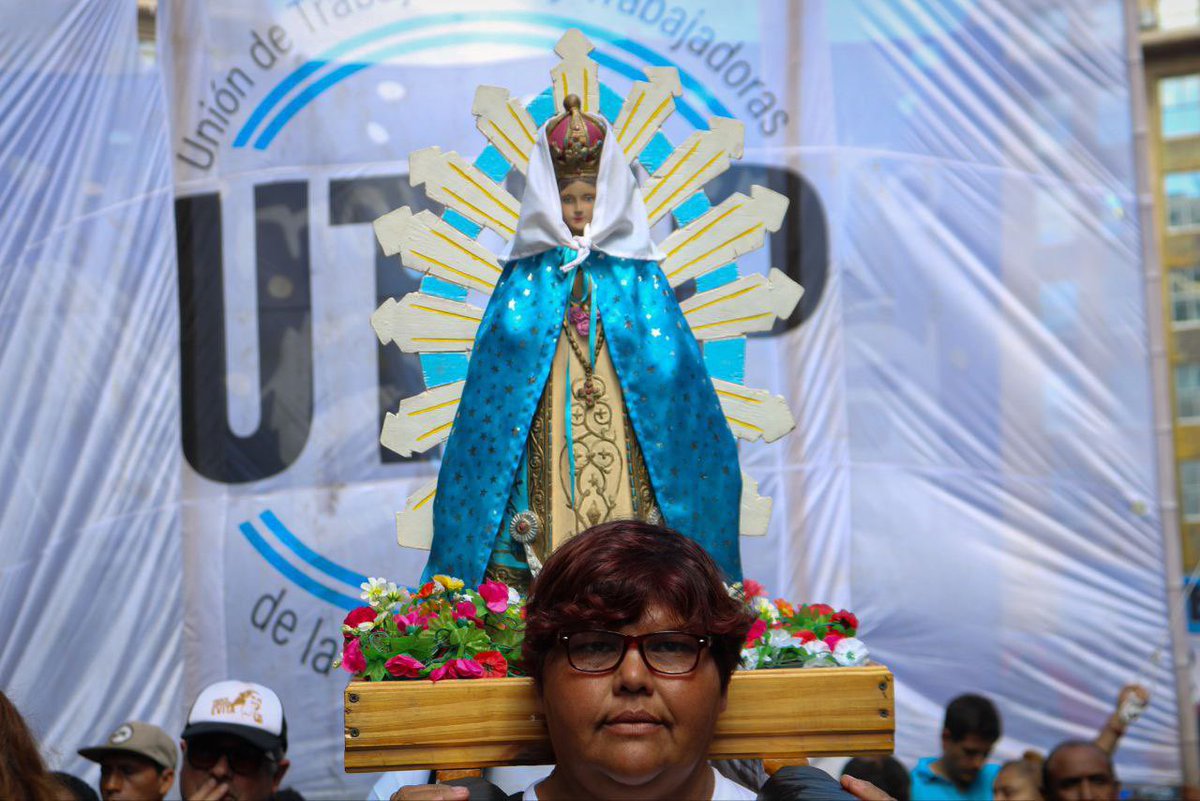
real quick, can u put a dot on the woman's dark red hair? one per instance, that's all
(610, 574)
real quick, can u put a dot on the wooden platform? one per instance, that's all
(772, 714)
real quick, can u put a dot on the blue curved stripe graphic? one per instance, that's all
(296, 576)
(347, 46)
(318, 87)
(296, 546)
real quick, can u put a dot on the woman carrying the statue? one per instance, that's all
(586, 399)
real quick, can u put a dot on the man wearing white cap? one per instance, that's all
(234, 744)
(137, 761)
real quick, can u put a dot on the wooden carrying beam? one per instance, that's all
(772, 714)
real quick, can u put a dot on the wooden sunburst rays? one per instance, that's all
(427, 323)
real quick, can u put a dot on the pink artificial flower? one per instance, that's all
(467, 668)
(495, 595)
(465, 610)
(353, 660)
(443, 672)
(756, 632)
(411, 620)
(579, 318)
(752, 589)
(832, 640)
(404, 666)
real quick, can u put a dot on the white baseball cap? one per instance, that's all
(242, 709)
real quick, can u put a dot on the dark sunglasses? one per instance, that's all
(668, 652)
(245, 760)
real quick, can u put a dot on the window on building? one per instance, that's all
(1189, 490)
(1187, 391)
(1183, 199)
(1185, 295)
(1179, 100)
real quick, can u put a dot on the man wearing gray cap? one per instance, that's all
(136, 762)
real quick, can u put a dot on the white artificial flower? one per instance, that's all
(782, 638)
(765, 608)
(514, 597)
(373, 588)
(366, 626)
(382, 594)
(818, 654)
(851, 652)
(749, 658)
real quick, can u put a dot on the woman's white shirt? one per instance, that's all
(723, 790)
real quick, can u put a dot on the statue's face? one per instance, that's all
(578, 200)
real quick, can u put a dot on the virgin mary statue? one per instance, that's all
(586, 398)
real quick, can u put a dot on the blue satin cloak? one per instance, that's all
(687, 446)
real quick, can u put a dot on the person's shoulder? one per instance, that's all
(922, 769)
(932, 786)
(988, 772)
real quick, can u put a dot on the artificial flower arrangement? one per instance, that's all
(446, 631)
(786, 635)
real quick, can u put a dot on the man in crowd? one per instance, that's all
(1078, 770)
(969, 731)
(234, 743)
(137, 761)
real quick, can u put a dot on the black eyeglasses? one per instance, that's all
(667, 652)
(245, 760)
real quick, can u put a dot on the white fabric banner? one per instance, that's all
(972, 470)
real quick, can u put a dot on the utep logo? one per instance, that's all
(282, 250)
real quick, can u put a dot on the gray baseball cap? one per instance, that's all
(141, 739)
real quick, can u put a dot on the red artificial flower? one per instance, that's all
(404, 667)
(752, 589)
(363, 614)
(846, 620)
(756, 632)
(494, 665)
(820, 610)
(427, 589)
(353, 660)
(804, 635)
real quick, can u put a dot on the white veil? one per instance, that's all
(619, 226)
